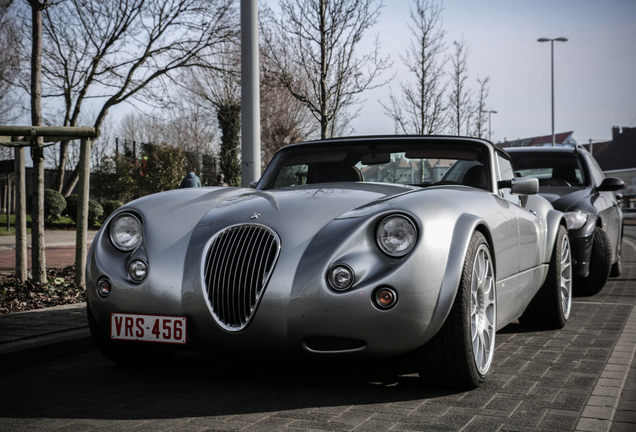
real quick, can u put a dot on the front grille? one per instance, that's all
(238, 264)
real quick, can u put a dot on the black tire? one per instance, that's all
(600, 266)
(451, 358)
(617, 267)
(128, 352)
(551, 306)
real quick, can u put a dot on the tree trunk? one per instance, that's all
(38, 257)
(71, 182)
(37, 211)
(324, 122)
(61, 169)
(82, 213)
(20, 217)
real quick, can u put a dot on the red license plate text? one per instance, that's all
(150, 328)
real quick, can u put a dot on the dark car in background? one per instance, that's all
(572, 181)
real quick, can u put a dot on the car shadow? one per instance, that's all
(194, 384)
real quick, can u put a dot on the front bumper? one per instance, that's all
(581, 254)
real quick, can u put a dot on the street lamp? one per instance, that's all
(489, 127)
(560, 39)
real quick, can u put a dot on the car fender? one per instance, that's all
(464, 228)
(554, 218)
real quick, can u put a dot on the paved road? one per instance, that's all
(566, 380)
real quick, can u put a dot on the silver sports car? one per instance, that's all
(369, 246)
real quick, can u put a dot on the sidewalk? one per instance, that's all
(60, 249)
(43, 333)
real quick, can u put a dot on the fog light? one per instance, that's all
(137, 270)
(341, 277)
(385, 298)
(103, 288)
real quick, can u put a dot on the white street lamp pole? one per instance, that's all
(560, 39)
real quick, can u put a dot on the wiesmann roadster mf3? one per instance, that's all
(356, 247)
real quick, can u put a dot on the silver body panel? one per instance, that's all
(319, 226)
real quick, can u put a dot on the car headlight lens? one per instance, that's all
(576, 220)
(137, 270)
(341, 277)
(396, 235)
(126, 232)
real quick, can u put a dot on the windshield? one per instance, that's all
(551, 168)
(395, 163)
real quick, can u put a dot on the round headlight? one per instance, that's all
(340, 277)
(396, 235)
(137, 270)
(125, 232)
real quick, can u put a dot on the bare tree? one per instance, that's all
(420, 106)
(221, 92)
(459, 101)
(9, 61)
(315, 44)
(284, 119)
(38, 257)
(112, 51)
(481, 112)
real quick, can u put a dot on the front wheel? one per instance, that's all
(600, 266)
(461, 353)
(551, 306)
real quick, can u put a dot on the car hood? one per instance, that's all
(564, 198)
(305, 209)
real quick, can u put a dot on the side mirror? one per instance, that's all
(521, 185)
(253, 184)
(611, 184)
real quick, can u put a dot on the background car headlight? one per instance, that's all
(126, 232)
(576, 220)
(396, 235)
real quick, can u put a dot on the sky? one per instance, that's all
(594, 71)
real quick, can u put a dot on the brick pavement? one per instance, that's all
(60, 249)
(580, 378)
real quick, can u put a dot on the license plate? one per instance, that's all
(151, 328)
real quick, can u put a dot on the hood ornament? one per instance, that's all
(255, 216)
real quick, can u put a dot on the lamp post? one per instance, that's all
(489, 127)
(559, 39)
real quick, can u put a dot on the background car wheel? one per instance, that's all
(461, 353)
(600, 266)
(552, 304)
(128, 352)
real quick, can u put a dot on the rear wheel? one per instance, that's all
(461, 353)
(552, 304)
(128, 352)
(600, 266)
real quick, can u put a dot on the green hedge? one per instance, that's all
(95, 210)
(54, 205)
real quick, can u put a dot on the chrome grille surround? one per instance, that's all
(236, 268)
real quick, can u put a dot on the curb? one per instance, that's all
(46, 347)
